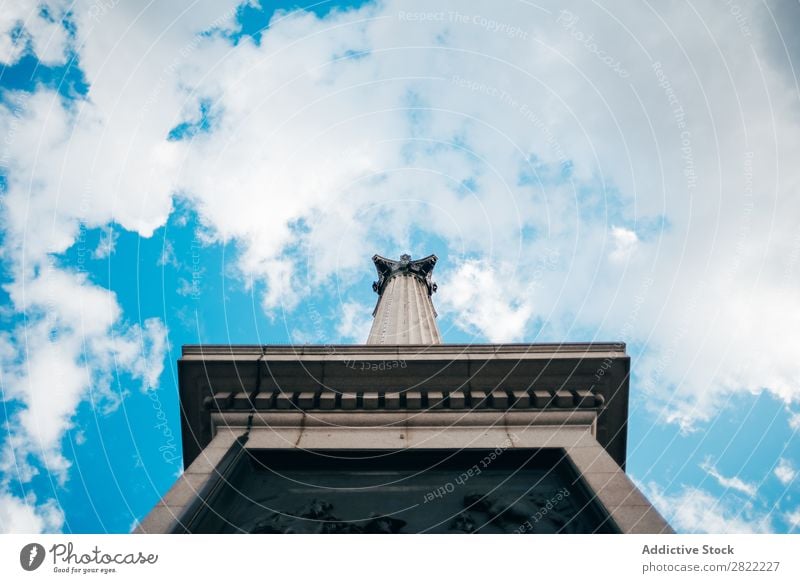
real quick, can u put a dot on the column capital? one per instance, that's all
(388, 268)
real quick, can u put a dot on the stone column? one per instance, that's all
(404, 313)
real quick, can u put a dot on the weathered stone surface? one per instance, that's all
(554, 436)
(563, 399)
(639, 520)
(392, 400)
(160, 520)
(284, 400)
(592, 459)
(540, 398)
(615, 489)
(327, 400)
(184, 490)
(521, 400)
(457, 400)
(222, 399)
(478, 400)
(241, 401)
(206, 461)
(225, 437)
(264, 400)
(349, 400)
(584, 398)
(306, 400)
(208, 369)
(371, 400)
(275, 438)
(456, 437)
(435, 399)
(414, 400)
(499, 400)
(349, 438)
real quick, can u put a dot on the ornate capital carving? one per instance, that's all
(388, 268)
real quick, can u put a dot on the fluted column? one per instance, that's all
(404, 313)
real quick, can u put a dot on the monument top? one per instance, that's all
(387, 268)
(404, 313)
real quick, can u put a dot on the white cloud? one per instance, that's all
(168, 256)
(484, 301)
(74, 166)
(794, 420)
(793, 520)
(310, 149)
(107, 244)
(75, 342)
(452, 167)
(40, 24)
(695, 511)
(734, 483)
(355, 322)
(625, 242)
(26, 517)
(785, 472)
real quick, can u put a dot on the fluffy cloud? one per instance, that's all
(75, 343)
(785, 472)
(64, 168)
(734, 483)
(37, 27)
(107, 244)
(24, 516)
(695, 511)
(339, 136)
(793, 520)
(355, 323)
(624, 241)
(486, 304)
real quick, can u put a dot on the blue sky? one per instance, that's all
(229, 179)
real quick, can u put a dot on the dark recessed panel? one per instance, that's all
(407, 491)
